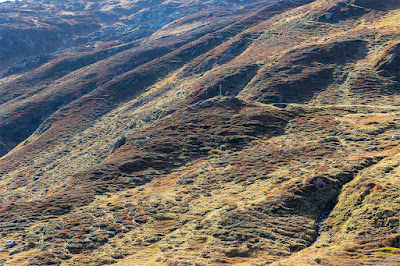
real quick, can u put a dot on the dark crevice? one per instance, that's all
(326, 212)
(343, 178)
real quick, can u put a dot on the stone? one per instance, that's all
(330, 139)
(15, 251)
(328, 16)
(395, 137)
(118, 144)
(10, 243)
(207, 103)
(280, 105)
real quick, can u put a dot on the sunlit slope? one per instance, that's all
(267, 136)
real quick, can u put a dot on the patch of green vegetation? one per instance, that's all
(389, 250)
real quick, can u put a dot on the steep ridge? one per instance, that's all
(42, 26)
(102, 99)
(212, 137)
(80, 83)
(40, 105)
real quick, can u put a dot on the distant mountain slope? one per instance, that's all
(199, 132)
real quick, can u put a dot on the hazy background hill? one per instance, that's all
(199, 132)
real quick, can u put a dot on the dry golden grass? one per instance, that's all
(241, 195)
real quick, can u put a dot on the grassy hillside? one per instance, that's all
(230, 133)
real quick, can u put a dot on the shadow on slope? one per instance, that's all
(302, 72)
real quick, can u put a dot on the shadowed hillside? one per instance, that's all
(199, 132)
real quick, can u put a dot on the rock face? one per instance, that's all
(199, 132)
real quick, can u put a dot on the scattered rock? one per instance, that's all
(31, 245)
(207, 103)
(330, 139)
(280, 105)
(119, 143)
(10, 244)
(15, 251)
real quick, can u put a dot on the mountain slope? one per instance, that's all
(188, 132)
